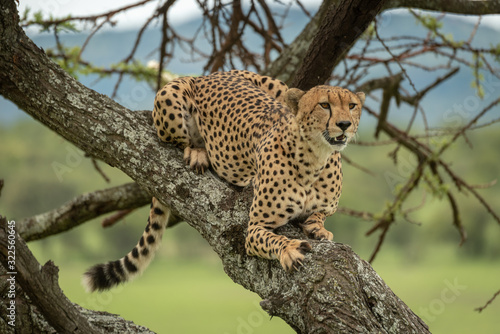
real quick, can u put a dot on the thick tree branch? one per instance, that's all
(285, 66)
(470, 7)
(342, 25)
(82, 209)
(336, 291)
(29, 303)
(39, 283)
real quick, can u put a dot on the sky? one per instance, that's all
(181, 11)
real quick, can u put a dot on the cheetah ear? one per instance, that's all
(292, 97)
(361, 96)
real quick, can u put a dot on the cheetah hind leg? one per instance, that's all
(196, 158)
(314, 227)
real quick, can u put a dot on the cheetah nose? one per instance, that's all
(343, 125)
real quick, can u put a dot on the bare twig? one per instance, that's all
(358, 166)
(468, 125)
(100, 171)
(396, 59)
(389, 214)
(354, 213)
(164, 40)
(485, 185)
(111, 220)
(480, 309)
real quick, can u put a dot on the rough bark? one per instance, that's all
(39, 283)
(28, 284)
(285, 66)
(335, 291)
(342, 25)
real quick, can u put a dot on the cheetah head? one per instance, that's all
(328, 116)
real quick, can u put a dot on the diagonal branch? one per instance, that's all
(343, 24)
(285, 66)
(40, 283)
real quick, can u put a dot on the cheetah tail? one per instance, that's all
(106, 275)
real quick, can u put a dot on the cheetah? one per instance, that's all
(253, 129)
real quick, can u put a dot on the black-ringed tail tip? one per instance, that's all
(107, 275)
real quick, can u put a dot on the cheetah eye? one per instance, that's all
(352, 105)
(325, 105)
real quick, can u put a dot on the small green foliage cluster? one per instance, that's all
(478, 76)
(495, 49)
(429, 21)
(70, 57)
(49, 23)
(435, 26)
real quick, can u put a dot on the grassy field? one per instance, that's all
(195, 296)
(444, 291)
(186, 291)
(174, 297)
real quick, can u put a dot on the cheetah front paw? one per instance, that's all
(197, 159)
(292, 255)
(318, 232)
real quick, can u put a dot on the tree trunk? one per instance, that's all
(33, 302)
(335, 291)
(287, 63)
(343, 23)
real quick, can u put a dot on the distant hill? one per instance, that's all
(111, 46)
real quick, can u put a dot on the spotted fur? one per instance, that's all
(254, 129)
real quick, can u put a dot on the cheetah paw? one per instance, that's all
(320, 233)
(197, 159)
(293, 254)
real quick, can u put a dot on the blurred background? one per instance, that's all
(185, 290)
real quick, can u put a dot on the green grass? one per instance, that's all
(444, 291)
(175, 297)
(196, 296)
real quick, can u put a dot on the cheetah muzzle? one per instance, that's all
(252, 129)
(339, 140)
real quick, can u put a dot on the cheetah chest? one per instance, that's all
(289, 186)
(324, 194)
(321, 194)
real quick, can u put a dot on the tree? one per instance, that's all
(109, 132)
